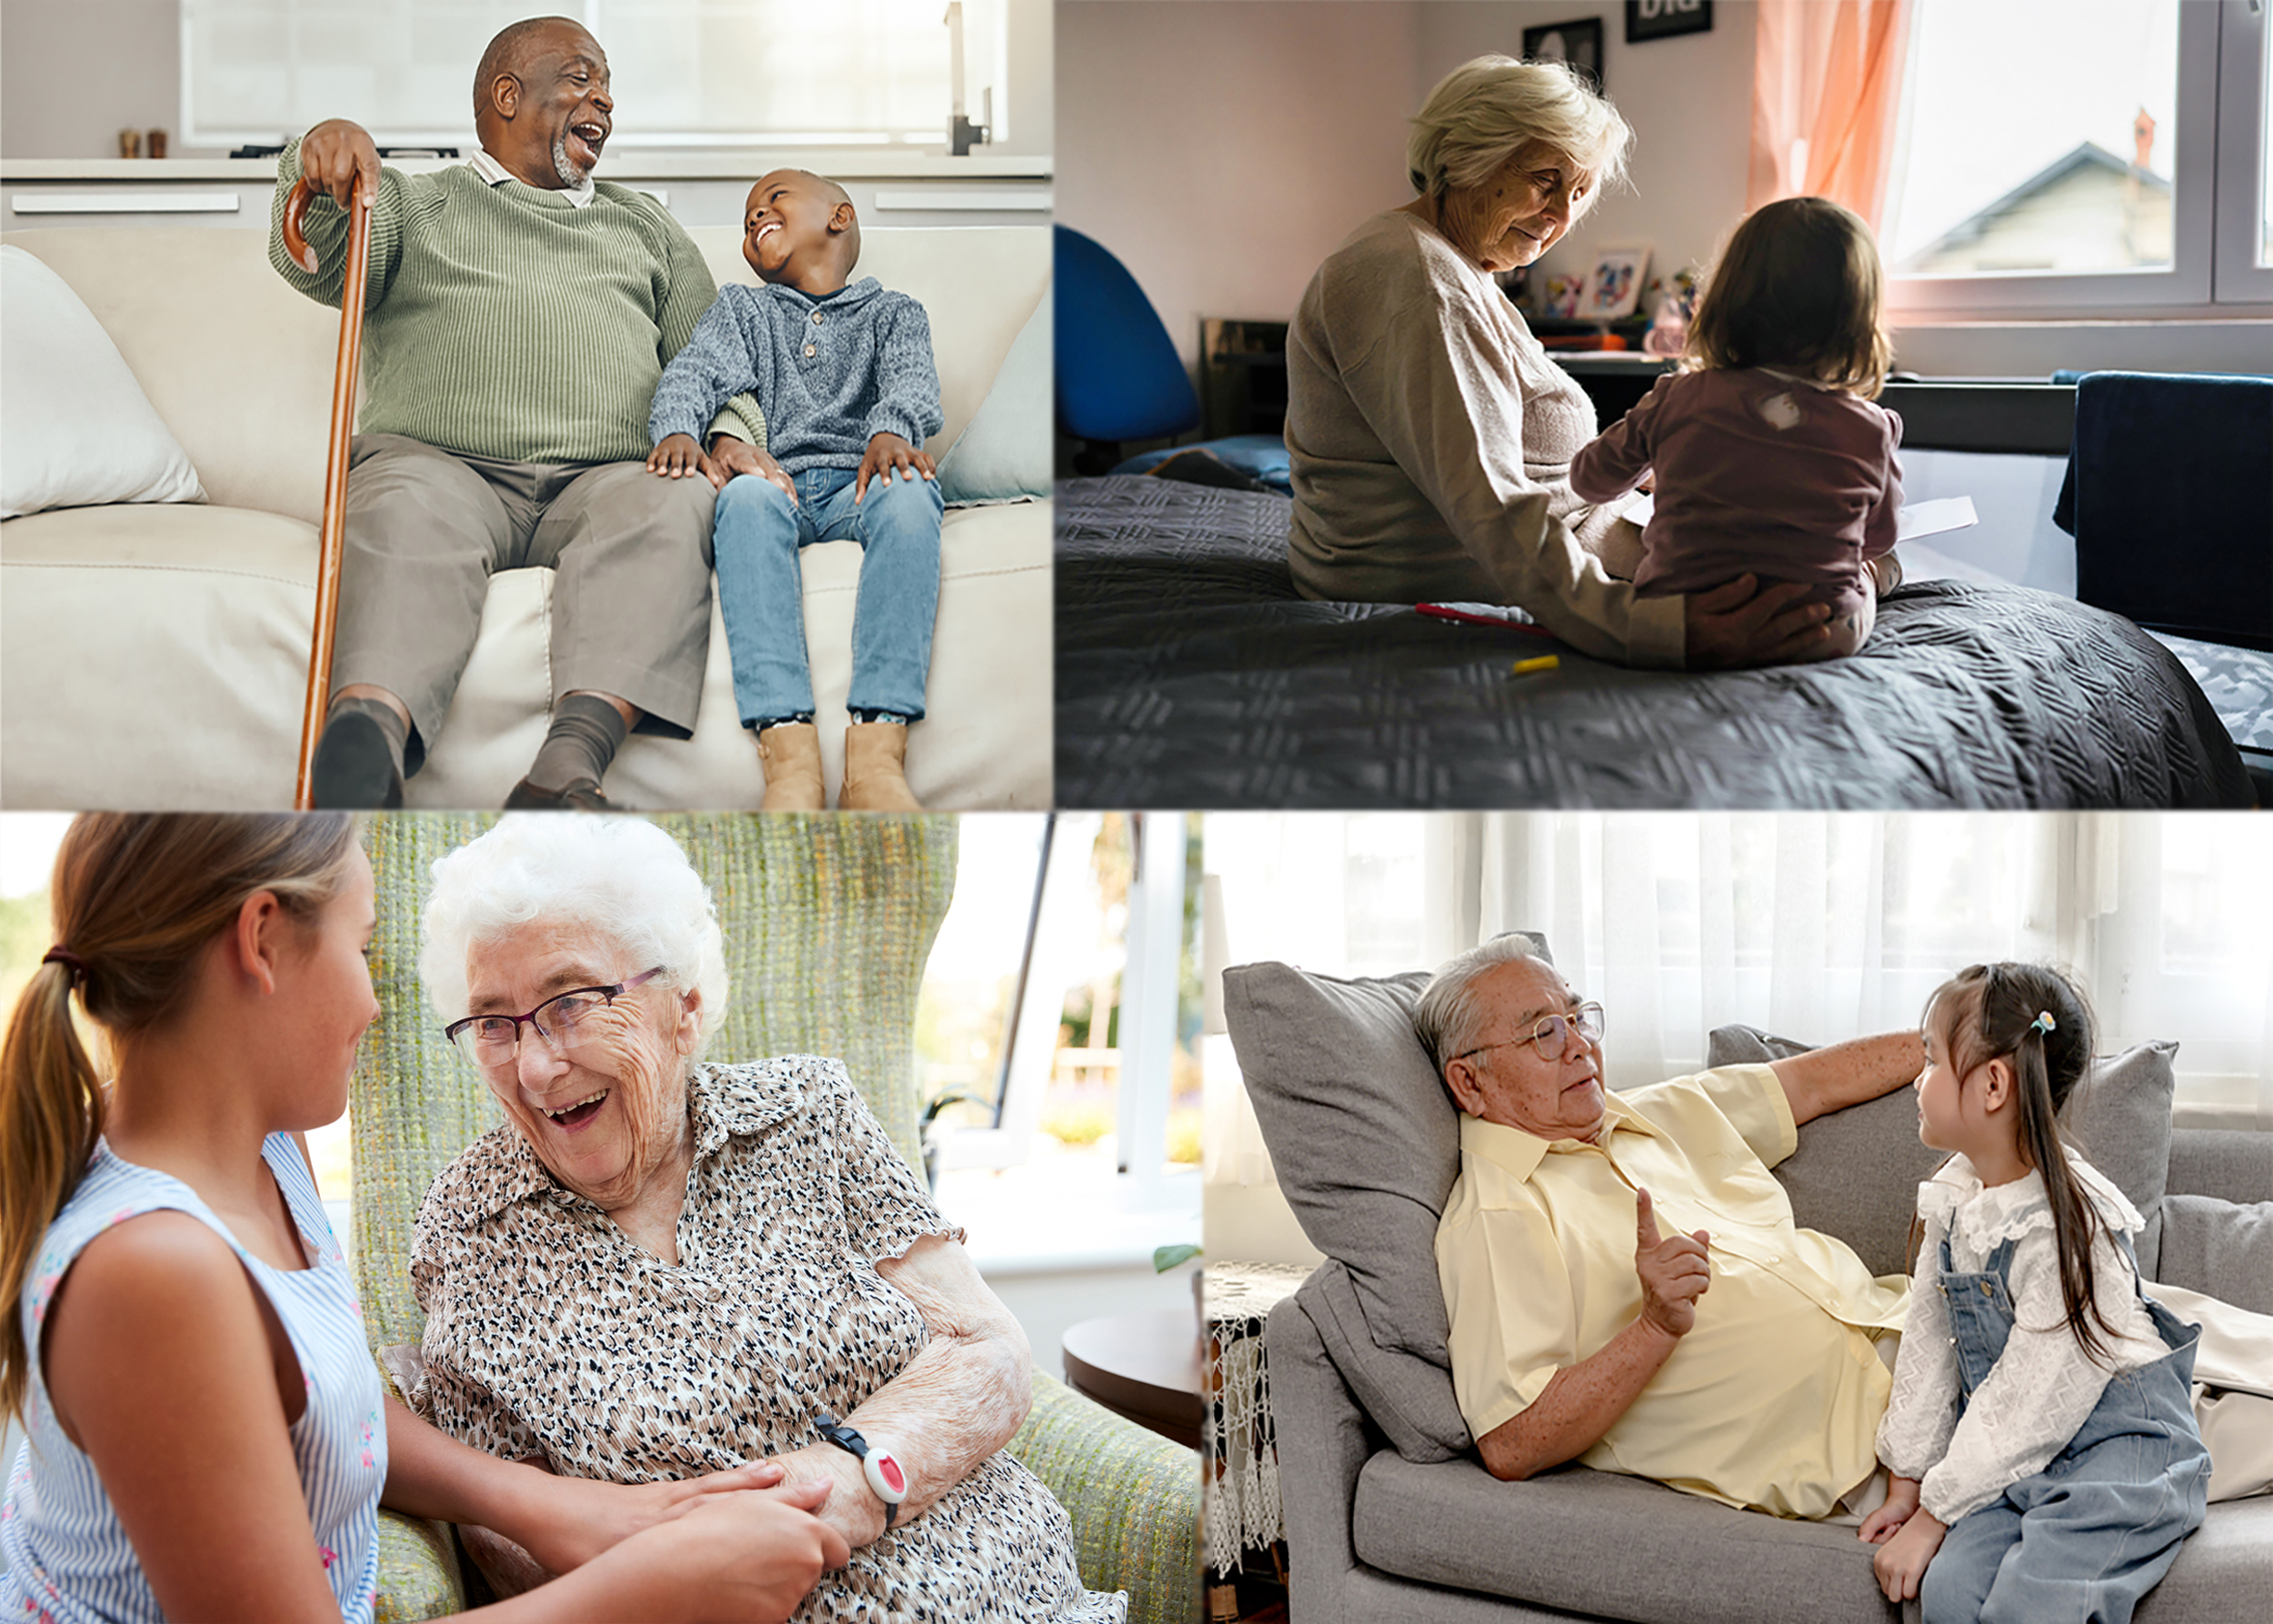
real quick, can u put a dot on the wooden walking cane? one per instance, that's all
(335, 469)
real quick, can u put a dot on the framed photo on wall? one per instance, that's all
(1662, 19)
(1578, 43)
(1614, 288)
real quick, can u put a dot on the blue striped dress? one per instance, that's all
(67, 1559)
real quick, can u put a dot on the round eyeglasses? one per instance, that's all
(1551, 1036)
(493, 1040)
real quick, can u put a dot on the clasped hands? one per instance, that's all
(678, 455)
(1907, 1536)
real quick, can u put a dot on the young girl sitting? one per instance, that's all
(206, 1434)
(2044, 1458)
(1770, 457)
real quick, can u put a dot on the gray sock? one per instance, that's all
(585, 733)
(391, 723)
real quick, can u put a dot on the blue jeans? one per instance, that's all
(2087, 1536)
(757, 535)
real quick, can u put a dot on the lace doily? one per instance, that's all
(1241, 1510)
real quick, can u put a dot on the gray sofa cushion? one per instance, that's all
(1598, 1544)
(2219, 1248)
(1603, 1546)
(1855, 1173)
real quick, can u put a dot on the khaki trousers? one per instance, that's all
(427, 528)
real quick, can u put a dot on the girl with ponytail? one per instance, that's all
(2044, 1455)
(207, 1433)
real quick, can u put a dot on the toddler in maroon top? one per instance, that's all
(1769, 455)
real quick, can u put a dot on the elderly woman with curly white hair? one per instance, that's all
(657, 1265)
(1429, 433)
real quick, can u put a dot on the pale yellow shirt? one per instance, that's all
(1773, 1399)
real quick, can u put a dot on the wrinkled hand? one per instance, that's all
(750, 1557)
(888, 454)
(852, 1509)
(1900, 1562)
(583, 1517)
(675, 457)
(1892, 1513)
(733, 456)
(1674, 1272)
(1741, 624)
(334, 153)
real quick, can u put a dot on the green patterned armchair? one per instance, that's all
(803, 900)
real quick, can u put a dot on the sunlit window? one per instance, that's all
(685, 73)
(2036, 139)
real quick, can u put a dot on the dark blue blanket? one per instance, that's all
(2170, 496)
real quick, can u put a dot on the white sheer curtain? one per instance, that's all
(1815, 926)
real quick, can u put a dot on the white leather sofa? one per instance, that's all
(155, 654)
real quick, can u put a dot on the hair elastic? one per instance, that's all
(2044, 1022)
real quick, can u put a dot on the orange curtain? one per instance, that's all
(1826, 89)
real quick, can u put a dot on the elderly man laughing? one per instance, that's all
(1626, 1283)
(519, 315)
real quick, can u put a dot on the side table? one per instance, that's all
(1144, 1367)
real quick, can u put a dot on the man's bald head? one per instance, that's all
(509, 52)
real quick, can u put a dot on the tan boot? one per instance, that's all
(792, 754)
(875, 754)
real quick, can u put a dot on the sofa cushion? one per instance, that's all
(1407, 1395)
(1603, 1545)
(1856, 1171)
(1005, 455)
(79, 429)
(1600, 1545)
(2221, 1247)
(102, 608)
(157, 655)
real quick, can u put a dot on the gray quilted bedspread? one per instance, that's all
(1190, 674)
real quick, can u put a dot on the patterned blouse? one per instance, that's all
(550, 1331)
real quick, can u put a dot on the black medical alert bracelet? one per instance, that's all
(886, 1478)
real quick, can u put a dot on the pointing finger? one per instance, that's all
(1644, 1219)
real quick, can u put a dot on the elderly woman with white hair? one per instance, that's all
(657, 1265)
(1429, 433)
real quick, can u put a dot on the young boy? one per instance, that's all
(845, 378)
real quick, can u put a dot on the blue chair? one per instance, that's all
(1118, 374)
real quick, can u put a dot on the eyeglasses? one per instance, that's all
(492, 1040)
(1551, 1036)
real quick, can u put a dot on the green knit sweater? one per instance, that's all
(503, 321)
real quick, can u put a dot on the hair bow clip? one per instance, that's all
(2044, 1022)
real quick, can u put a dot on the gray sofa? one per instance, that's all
(1388, 1513)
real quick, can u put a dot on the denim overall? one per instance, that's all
(2087, 1536)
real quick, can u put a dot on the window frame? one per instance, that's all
(2245, 87)
(2201, 184)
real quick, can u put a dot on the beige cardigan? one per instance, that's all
(1431, 437)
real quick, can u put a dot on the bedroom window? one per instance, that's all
(2107, 153)
(707, 74)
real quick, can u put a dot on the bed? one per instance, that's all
(1191, 673)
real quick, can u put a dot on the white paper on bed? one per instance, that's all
(1915, 519)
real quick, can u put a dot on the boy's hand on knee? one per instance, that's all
(889, 454)
(676, 456)
(1900, 1562)
(730, 457)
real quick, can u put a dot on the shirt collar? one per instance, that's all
(1520, 1154)
(491, 171)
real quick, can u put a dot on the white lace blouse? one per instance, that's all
(2043, 1386)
